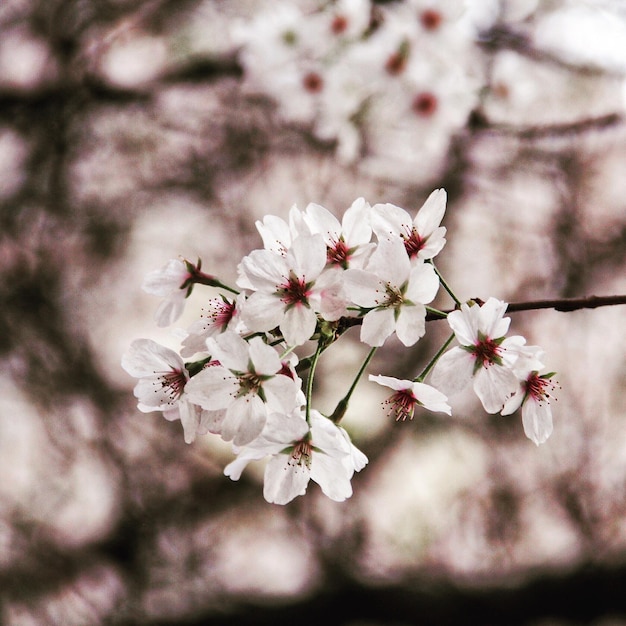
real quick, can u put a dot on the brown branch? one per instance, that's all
(562, 304)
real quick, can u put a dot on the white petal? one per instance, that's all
(390, 262)
(464, 323)
(262, 311)
(298, 325)
(390, 221)
(213, 388)
(363, 288)
(284, 481)
(307, 256)
(146, 357)
(423, 284)
(492, 324)
(391, 382)
(356, 223)
(429, 217)
(167, 279)
(537, 420)
(431, 398)
(411, 324)
(377, 325)
(231, 350)
(170, 309)
(264, 358)
(453, 371)
(331, 475)
(493, 385)
(244, 420)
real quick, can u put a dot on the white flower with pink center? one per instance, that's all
(321, 451)
(409, 394)
(162, 385)
(290, 291)
(246, 384)
(423, 236)
(533, 395)
(348, 242)
(485, 356)
(219, 314)
(394, 292)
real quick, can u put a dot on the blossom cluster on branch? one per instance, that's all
(314, 278)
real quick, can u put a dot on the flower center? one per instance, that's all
(338, 253)
(424, 104)
(313, 82)
(395, 297)
(430, 19)
(220, 312)
(486, 351)
(173, 382)
(413, 243)
(402, 404)
(294, 291)
(537, 387)
(249, 382)
(339, 24)
(302, 454)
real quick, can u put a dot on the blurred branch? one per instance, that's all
(583, 595)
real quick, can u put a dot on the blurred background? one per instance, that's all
(135, 132)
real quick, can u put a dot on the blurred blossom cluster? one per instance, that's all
(390, 84)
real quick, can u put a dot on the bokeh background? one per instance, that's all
(132, 132)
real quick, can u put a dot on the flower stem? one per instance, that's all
(445, 285)
(309, 381)
(342, 405)
(431, 364)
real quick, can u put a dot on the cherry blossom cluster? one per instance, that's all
(389, 83)
(238, 374)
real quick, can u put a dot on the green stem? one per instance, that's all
(445, 285)
(431, 364)
(309, 382)
(342, 405)
(435, 313)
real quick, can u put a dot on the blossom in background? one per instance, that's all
(485, 356)
(169, 283)
(289, 291)
(395, 292)
(423, 235)
(410, 394)
(162, 385)
(246, 384)
(299, 452)
(533, 395)
(347, 242)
